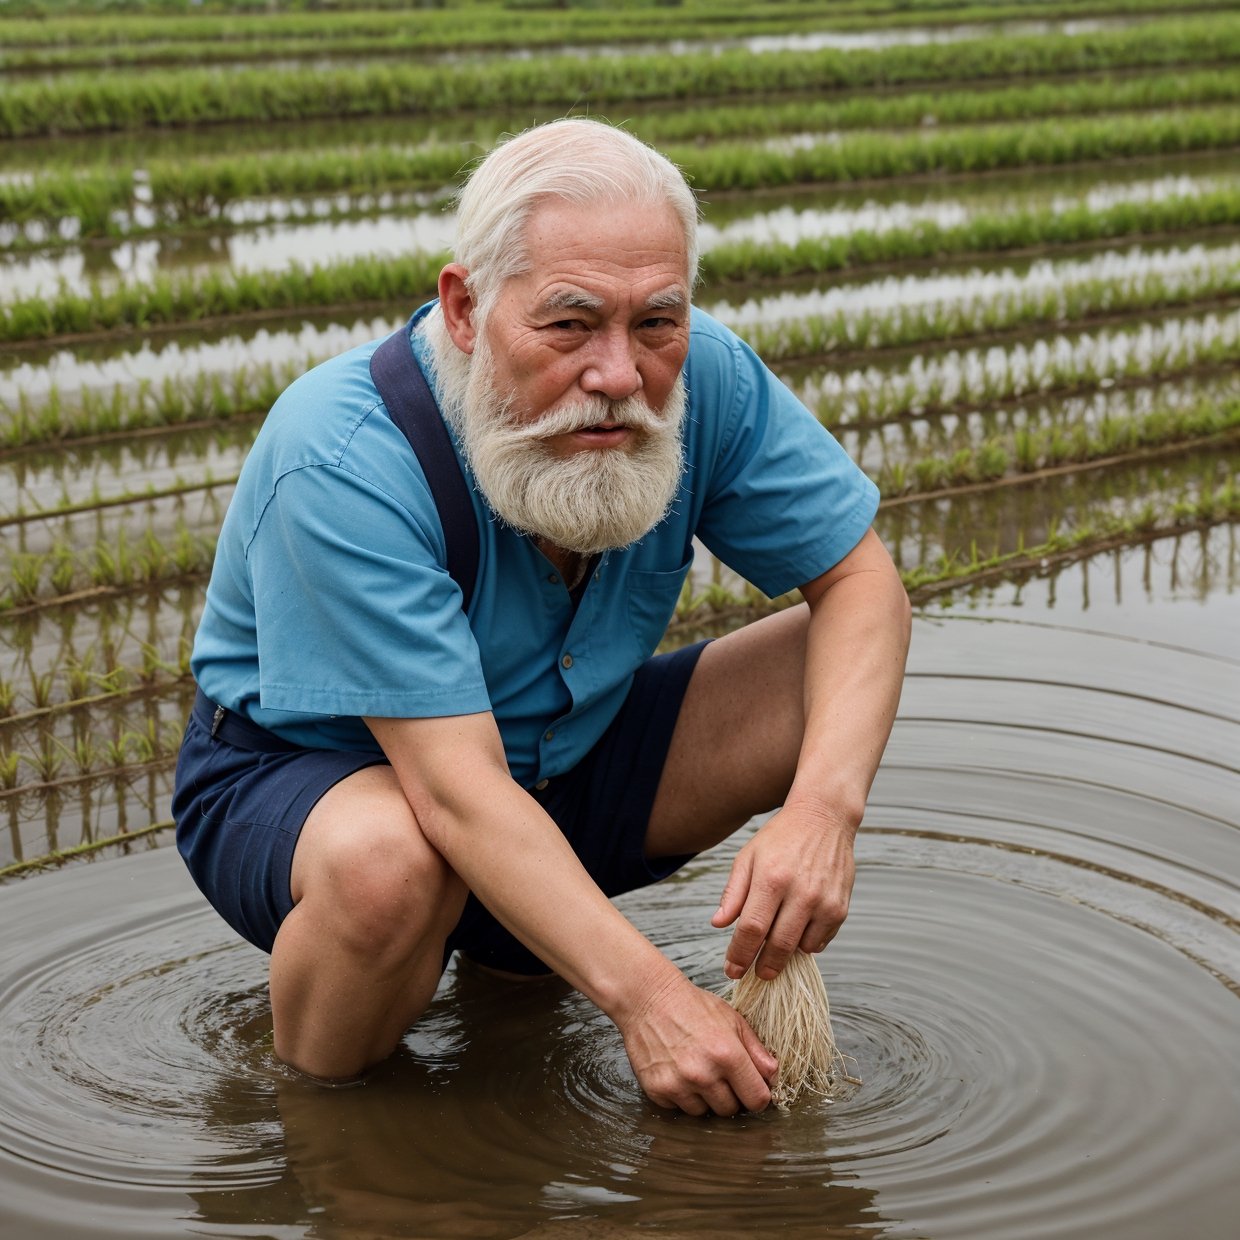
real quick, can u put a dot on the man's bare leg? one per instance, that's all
(734, 751)
(359, 957)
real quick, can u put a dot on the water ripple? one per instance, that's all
(1037, 986)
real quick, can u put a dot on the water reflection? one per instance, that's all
(1009, 519)
(270, 233)
(1178, 267)
(302, 339)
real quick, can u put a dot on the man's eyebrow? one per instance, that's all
(667, 299)
(572, 299)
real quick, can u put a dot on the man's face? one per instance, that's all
(569, 406)
(601, 315)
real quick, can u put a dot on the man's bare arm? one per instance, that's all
(791, 883)
(688, 1048)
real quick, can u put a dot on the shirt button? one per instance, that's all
(542, 783)
(567, 661)
(549, 734)
(553, 578)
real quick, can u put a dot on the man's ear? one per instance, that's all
(458, 306)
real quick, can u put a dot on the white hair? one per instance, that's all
(576, 160)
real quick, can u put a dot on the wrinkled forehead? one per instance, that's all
(606, 234)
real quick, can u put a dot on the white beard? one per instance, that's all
(595, 499)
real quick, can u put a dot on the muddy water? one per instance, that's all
(1039, 982)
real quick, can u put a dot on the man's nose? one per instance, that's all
(611, 367)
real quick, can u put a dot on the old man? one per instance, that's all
(393, 757)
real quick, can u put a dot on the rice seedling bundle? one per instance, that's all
(792, 1018)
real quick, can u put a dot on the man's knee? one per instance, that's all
(366, 868)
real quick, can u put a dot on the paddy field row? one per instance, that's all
(1001, 268)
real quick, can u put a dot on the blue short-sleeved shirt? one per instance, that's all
(329, 599)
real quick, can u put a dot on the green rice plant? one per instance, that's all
(25, 578)
(112, 39)
(63, 572)
(80, 676)
(112, 563)
(1069, 302)
(190, 553)
(90, 103)
(974, 377)
(168, 300)
(983, 233)
(1032, 449)
(118, 564)
(369, 280)
(731, 166)
(49, 761)
(41, 685)
(188, 192)
(10, 763)
(83, 753)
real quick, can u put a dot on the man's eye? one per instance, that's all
(567, 324)
(656, 323)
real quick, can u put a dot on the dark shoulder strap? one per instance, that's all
(399, 379)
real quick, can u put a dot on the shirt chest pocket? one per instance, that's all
(652, 602)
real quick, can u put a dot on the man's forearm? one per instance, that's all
(512, 856)
(855, 655)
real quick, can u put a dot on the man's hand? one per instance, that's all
(691, 1051)
(789, 888)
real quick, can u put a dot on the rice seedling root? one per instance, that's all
(792, 1018)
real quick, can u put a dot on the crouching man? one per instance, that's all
(393, 757)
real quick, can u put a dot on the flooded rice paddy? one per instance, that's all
(284, 236)
(1039, 982)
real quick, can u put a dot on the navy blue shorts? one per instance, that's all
(239, 808)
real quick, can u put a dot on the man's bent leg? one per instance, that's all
(734, 751)
(358, 958)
